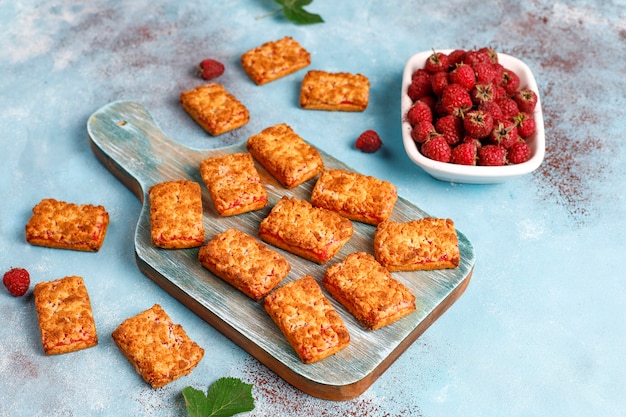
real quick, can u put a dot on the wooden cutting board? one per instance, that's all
(127, 140)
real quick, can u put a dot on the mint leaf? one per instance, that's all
(294, 11)
(225, 397)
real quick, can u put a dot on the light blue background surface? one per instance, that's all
(541, 328)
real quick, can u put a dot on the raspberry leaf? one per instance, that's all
(294, 11)
(224, 398)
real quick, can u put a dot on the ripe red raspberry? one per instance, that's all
(474, 57)
(464, 76)
(490, 52)
(491, 155)
(439, 81)
(420, 85)
(510, 81)
(464, 154)
(492, 108)
(437, 148)
(436, 62)
(456, 57)
(482, 93)
(17, 281)
(526, 100)
(369, 141)
(518, 153)
(423, 131)
(478, 123)
(485, 72)
(451, 127)
(419, 112)
(210, 68)
(525, 124)
(504, 133)
(455, 100)
(509, 108)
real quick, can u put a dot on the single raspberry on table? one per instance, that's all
(369, 141)
(437, 148)
(17, 281)
(210, 68)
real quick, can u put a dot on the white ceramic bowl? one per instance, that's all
(465, 173)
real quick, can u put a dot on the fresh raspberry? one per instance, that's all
(456, 57)
(485, 72)
(420, 85)
(419, 112)
(482, 93)
(510, 81)
(492, 108)
(423, 131)
(504, 133)
(210, 68)
(509, 108)
(437, 148)
(451, 127)
(478, 123)
(474, 57)
(369, 141)
(17, 281)
(526, 100)
(439, 81)
(464, 76)
(525, 124)
(491, 155)
(436, 62)
(518, 153)
(490, 52)
(455, 100)
(464, 154)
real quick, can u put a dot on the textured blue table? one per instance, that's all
(541, 328)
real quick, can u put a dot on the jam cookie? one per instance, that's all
(159, 350)
(214, 108)
(176, 214)
(57, 224)
(234, 183)
(243, 262)
(423, 244)
(285, 155)
(368, 291)
(311, 232)
(358, 197)
(274, 60)
(339, 91)
(307, 320)
(65, 316)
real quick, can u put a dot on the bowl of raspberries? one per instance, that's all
(471, 116)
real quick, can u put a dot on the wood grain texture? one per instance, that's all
(128, 141)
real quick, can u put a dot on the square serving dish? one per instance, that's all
(466, 173)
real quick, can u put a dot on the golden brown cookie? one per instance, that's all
(176, 214)
(368, 291)
(159, 350)
(234, 183)
(214, 108)
(57, 224)
(274, 60)
(356, 196)
(423, 244)
(285, 155)
(307, 319)
(243, 262)
(339, 91)
(65, 316)
(311, 232)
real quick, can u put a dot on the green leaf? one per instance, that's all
(294, 11)
(226, 397)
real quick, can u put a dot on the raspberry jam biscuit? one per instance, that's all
(234, 184)
(368, 291)
(423, 244)
(307, 319)
(313, 233)
(274, 60)
(285, 155)
(355, 196)
(176, 215)
(159, 350)
(214, 108)
(57, 224)
(243, 262)
(340, 91)
(65, 316)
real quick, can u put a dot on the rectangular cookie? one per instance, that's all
(214, 108)
(307, 319)
(57, 224)
(285, 155)
(356, 196)
(368, 291)
(234, 183)
(311, 232)
(423, 244)
(176, 214)
(274, 60)
(339, 91)
(65, 316)
(243, 262)
(159, 350)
